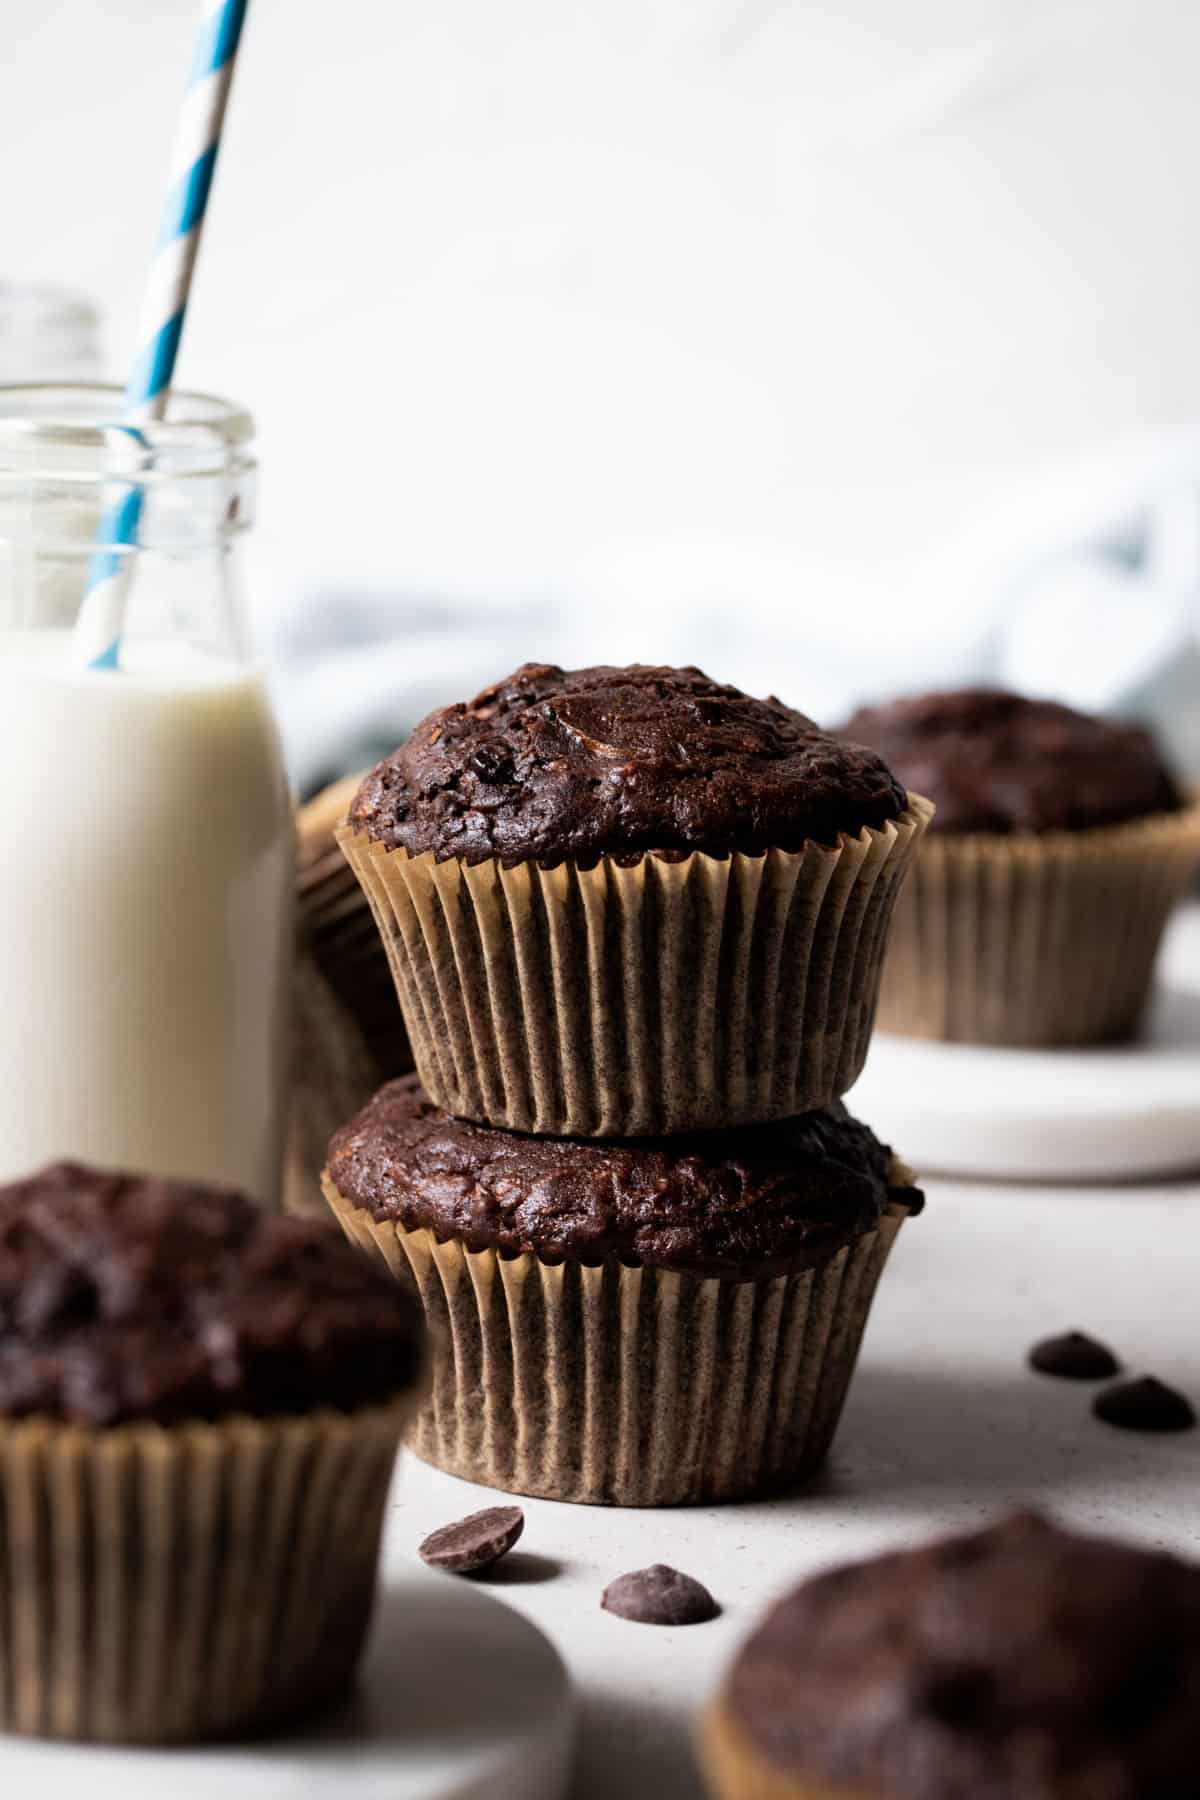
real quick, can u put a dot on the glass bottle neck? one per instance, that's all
(68, 474)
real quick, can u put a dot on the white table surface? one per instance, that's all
(945, 1427)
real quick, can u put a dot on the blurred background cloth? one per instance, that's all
(839, 345)
(1085, 584)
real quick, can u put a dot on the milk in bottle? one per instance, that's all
(146, 860)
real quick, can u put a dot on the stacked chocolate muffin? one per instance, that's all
(636, 921)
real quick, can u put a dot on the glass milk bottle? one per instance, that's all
(147, 857)
(47, 334)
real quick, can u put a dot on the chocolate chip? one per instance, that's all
(492, 763)
(475, 1542)
(659, 1596)
(1144, 1405)
(957, 1697)
(1075, 1356)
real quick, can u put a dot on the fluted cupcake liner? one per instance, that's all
(186, 1582)
(634, 1000)
(338, 931)
(331, 1075)
(628, 1386)
(347, 1034)
(1048, 939)
(737, 1769)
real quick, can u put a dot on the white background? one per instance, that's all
(680, 317)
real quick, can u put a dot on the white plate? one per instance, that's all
(460, 1699)
(1110, 1113)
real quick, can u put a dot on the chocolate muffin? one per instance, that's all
(1061, 842)
(557, 765)
(1018, 1663)
(199, 1410)
(994, 761)
(347, 1034)
(622, 902)
(639, 1323)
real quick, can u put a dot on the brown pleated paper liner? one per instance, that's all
(1047, 939)
(632, 1001)
(187, 1582)
(737, 1769)
(347, 1034)
(628, 1386)
(338, 931)
(331, 1075)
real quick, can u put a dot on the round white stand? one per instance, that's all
(1109, 1113)
(460, 1698)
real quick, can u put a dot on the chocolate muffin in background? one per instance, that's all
(348, 1035)
(996, 762)
(1022, 1662)
(636, 1323)
(200, 1405)
(630, 901)
(1037, 903)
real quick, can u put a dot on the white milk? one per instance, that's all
(145, 908)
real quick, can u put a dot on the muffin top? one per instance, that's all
(127, 1298)
(552, 764)
(993, 761)
(1018, 1663)
(763, 1200)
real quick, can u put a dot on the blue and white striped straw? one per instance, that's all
(197, 140)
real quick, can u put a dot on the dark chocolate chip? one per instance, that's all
(492, 763)
(475, 1542)
(659, 1596)
(1075, 1356)
(1144, 1405)
(961, 1698)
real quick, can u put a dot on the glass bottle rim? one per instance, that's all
(198, 434)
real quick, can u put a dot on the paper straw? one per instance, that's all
(197, 140)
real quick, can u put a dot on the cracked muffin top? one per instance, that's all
(552, 765)
(125, 1297)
